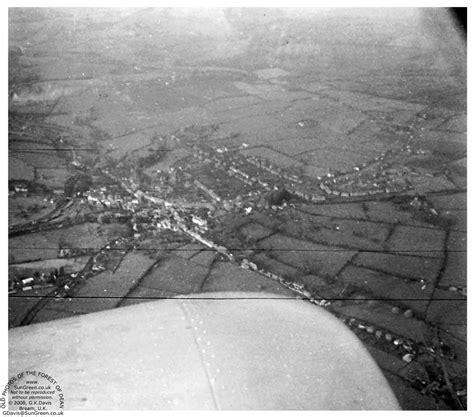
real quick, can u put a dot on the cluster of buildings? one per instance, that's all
(65, 253)
(193, 226)
(37, 280)
(231, 163)
(172, 214)
(272, 169)
(211, 193)
(372, 178)
(238, 167)
(377, 176)
(18, 190)
(195, 233)
(103, 199)
(308, 196)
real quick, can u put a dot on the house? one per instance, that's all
(64, 253)
(315, 197)
(199, 221)
(325, 188)
(248, 265)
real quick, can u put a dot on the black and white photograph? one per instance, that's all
(235, 206)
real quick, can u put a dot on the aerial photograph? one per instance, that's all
(236, 208)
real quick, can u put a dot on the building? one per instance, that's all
(207, 190)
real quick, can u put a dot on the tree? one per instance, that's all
(277, 197)
(77, 184)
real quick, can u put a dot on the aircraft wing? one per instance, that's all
(214, 351)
